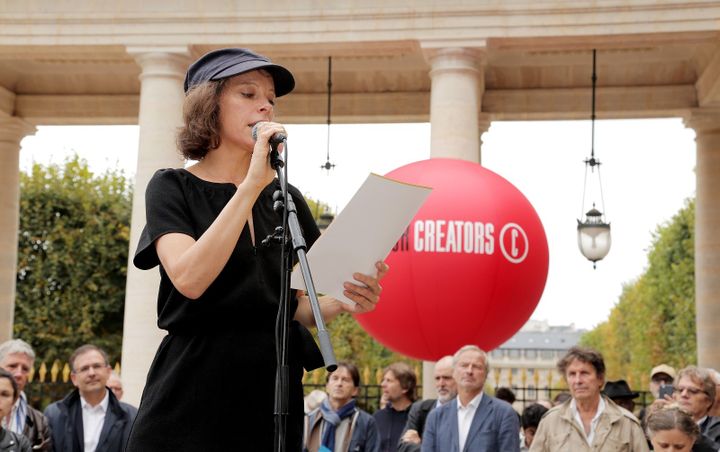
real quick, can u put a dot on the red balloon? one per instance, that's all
(470, 268)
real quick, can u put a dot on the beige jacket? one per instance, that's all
(617, 430)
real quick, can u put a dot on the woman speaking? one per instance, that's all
(211, 384)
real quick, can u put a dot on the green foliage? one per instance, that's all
(72, 258)
(317, 207)
(654, 320)
(353, 344)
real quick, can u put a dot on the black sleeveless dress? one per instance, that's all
(217, 364)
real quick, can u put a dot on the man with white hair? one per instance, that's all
(473, 421)
(445, 387)
(18, 357)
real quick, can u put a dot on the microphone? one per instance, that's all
(276, 139)
(275, 160)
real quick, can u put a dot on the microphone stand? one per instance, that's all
(289, 235)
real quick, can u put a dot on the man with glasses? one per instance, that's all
(695, 393)
(90, 418)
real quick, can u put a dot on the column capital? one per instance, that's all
(161, 61)
(13, 129)
(484, 122)
(455, 59)
(7, 102)
(703, 120)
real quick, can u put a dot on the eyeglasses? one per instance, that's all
(690, 390)
(85, 369)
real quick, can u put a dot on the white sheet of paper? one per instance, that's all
(362, 234)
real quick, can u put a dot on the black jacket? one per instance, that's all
(66, 425)
(416, 421)
(711, 428)
(12, 442)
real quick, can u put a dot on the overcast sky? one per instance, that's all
(647, 172)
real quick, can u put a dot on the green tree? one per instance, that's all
(72, 258)
(654, 319)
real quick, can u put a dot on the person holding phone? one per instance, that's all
(661, 381)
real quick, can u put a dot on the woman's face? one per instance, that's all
(7, 397)
(671, 440)
(246, 99)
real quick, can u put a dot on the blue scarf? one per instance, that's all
(332, 419)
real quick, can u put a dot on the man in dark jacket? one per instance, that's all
(90, 418)
(18, 357)
(445, 387)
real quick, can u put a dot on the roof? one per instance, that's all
(560, 339)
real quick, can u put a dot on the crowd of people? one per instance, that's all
(89, 418)
(593, 415)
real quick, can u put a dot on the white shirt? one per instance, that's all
(465, 416)
(93, 419)
(593, 424)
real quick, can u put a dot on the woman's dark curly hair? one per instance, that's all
(200, 132)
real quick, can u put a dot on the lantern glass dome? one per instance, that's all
(594, 238)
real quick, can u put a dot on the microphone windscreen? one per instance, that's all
(275, 139)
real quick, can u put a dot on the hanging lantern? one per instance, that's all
(594, 233)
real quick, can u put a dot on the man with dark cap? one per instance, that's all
(620, 393)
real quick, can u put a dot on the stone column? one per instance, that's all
(161, 98)
(12, 130)
(456, 124)
(457, 87)
(706, 123)
(428, 380)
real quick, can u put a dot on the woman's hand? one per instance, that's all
(260, 172)
(366, 294)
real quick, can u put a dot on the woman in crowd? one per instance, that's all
(669, 428)
(10, 441)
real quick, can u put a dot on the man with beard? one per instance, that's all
(446, 391)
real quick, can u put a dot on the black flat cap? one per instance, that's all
(223, 63)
